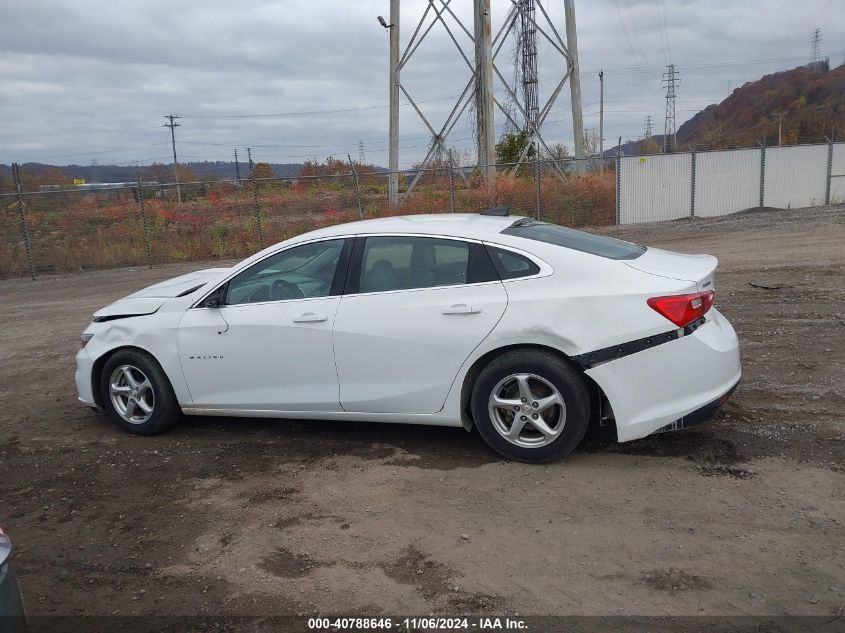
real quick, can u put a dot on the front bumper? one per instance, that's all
(656, 387)
(82, 376)
(12, 616)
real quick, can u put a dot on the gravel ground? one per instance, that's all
(742, 516)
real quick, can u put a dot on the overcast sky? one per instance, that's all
(90, 80)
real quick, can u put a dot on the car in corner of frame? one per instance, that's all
(12, 617)
(526, 331)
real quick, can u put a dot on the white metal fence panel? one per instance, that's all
(837, 174)
(654, 188)
(726, 181)
(795, 176)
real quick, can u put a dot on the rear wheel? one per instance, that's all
(530, 406)
(137, 394)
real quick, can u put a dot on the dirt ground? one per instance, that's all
(744, 515)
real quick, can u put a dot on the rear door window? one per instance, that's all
(407, 262)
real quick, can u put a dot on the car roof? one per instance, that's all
(467, 225)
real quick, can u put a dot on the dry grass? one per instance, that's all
(79, 231)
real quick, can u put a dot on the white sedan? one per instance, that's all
(527, 331)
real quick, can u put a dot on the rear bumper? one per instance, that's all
(655, 388)
(699, 416)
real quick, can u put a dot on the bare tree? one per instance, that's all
(558, 151)
(592, 142)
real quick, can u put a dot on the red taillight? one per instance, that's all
(683, 309)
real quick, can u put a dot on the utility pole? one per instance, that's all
(361, 156)
(173, 125)
(601, 119)
(671, 79)
(251, 164)
(237, 169)
(393, 160)
(486, 130)
(780, 116)
(575, 86)
(648, 126)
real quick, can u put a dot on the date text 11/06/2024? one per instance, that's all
(415, 624)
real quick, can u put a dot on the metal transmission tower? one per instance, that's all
(527, 54)
(361, 157)
(815, 47)
(671, 79)
(648, 126)
(480, 60)
(173, 125)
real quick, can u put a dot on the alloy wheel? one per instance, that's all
(131, 394)
(527, 410)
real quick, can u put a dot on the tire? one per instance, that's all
(556, 395)
(137, 394)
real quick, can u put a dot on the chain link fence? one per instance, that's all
(70, 229)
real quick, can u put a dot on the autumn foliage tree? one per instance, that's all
(263, 171)
(162, 173)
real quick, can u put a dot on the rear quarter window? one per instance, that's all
(576, 240)
(511, 265)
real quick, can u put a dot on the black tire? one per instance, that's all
(545, 367)
(165, 410)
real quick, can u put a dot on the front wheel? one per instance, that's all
(530, 406)
(137, 394)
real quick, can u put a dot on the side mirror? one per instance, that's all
(216, 298)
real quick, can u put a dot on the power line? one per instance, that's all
(95, 152)
(626, 33)
(664, 31)
(635, 31)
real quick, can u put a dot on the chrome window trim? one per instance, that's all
(197, 304)
(545, 268)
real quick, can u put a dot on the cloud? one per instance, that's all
(91, 80)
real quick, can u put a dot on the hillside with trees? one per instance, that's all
(35, 175)
(811, 99)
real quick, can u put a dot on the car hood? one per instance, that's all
(151, 298)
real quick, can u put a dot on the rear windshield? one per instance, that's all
(576, 240)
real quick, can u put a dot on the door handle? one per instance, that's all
(461, 308)
(310, 317)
